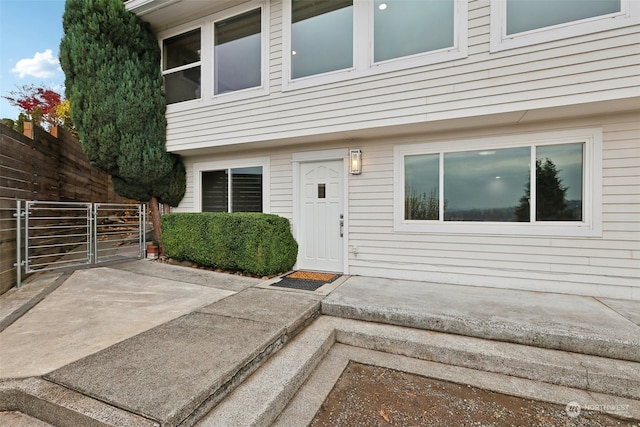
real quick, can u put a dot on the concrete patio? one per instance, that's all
(144, 343)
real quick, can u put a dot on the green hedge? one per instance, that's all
(255, 243)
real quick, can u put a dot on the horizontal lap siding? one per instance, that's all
(588, 68)
(186, 204)
(281, 185)
(543, 263)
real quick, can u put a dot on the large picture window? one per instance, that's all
(181, 67)
(232, 190)
(544, 183)
(237, 52)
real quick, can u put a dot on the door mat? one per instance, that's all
(306, 280)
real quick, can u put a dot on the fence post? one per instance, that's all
(18, 263)
(143, 207)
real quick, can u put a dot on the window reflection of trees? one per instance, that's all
(421, 206)
(551, 201)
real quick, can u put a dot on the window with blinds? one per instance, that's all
(232, 190)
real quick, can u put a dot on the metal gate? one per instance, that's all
(72, 234)
(119, 231)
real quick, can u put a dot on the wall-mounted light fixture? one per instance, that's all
(355, 161)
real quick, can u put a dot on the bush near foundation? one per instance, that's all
(255, 243)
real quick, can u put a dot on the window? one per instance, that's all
(334, 40)
(404, 28)
(237, 52)
(546, 184)
(526, 15)
(181, 67)
(240, 185)
(516, 23)
(225, 59)
(232, 190)
(321, 36)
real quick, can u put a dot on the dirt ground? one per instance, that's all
(370, 396)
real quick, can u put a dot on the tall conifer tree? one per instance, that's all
(113, 81)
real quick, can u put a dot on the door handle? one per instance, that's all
(341, 225)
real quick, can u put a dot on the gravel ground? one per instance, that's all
(373, 396)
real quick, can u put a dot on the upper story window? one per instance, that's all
(526, 15)
(181, 67)
(321, 36)
(404, 28)
(546, 185)
(517, 23)
(333, 40)
(238, 52)
(226, 58)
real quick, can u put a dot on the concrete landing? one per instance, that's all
(587, 325)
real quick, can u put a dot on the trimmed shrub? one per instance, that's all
(255, 243)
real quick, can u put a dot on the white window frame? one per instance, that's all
(590, 226)
(206, 25)
(263, 88)
(499, 40)
(202, 63)
(199, 168)
(363, 49)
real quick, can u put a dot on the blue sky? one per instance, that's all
(30, 33)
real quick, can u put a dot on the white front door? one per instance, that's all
(321, 216)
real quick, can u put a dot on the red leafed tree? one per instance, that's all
(38, 103)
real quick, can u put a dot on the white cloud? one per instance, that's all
(43, 65)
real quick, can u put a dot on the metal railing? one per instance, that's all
(72, 234)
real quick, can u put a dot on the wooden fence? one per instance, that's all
(47, 168)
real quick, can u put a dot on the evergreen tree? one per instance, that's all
(113, 81)
(551, 203)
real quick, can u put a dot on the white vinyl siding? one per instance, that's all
(593, 67)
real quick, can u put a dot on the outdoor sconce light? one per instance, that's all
(355, 162)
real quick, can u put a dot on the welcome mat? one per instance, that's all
(306, 280)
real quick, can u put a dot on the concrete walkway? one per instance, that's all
(143, 343)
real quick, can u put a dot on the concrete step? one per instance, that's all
(176, 372)
(59, 406)
(291, 386)
(578, 324)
